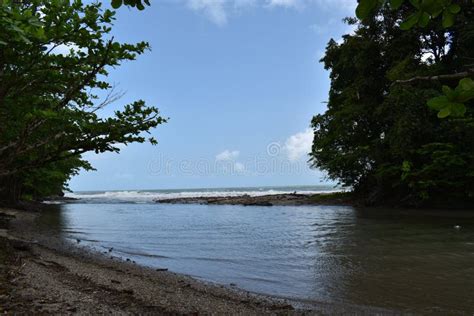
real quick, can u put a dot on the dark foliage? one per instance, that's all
(378, 135)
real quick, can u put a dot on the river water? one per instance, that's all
(402, 261)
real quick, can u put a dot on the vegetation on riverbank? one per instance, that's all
(399, 128)
(399, 125)
(54, 61)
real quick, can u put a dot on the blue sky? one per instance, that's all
(240, 81)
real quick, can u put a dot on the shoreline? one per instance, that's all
(283, 199)
(46, 274)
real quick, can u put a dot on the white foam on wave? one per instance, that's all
(150, 196)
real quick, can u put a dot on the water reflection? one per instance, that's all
(400, 260)
(405, 260)
(52, 219)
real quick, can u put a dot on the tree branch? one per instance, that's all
(455, 76)
(32, 126)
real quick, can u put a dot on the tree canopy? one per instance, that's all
(139, 4)
(54, 60)
(399, 126)
(421, 14)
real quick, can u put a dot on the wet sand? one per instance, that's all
(42, 273)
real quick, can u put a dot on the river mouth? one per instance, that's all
(395, 260)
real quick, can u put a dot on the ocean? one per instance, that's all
(148, 196)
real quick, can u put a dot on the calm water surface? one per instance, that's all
(396, 260)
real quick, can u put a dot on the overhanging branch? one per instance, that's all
(455, 76)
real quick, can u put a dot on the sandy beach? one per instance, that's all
(43, 274)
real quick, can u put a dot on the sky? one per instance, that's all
(239, 81)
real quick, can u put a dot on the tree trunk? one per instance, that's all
(9, 190)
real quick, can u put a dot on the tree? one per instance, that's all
(422, 13)
(378, 136)
(139, 4)
(49, 100)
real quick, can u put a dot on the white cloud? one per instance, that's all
(228, 155)
(63, 49)
(347, 6)
(327, 26)
(239, 4)
(340, 5)
(283, 3)
(218, 11)
(227, 160)
(213, 9)
(299, 145)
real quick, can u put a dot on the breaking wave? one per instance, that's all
(148, 196)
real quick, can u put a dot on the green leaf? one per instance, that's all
(446, 90)
(424, 19)
(458, 109)
(450, 93)
(465, 95)
(448, 19)
(40, 33)
(444, 113)
(116, 4)
(454, 8)
(406, 169)
(438, 103)
(436, 12)
(466, 84)
(406, 166)
(365, 8)
(396, 4)
(411, 21)
(416, 3)
(465, 88)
